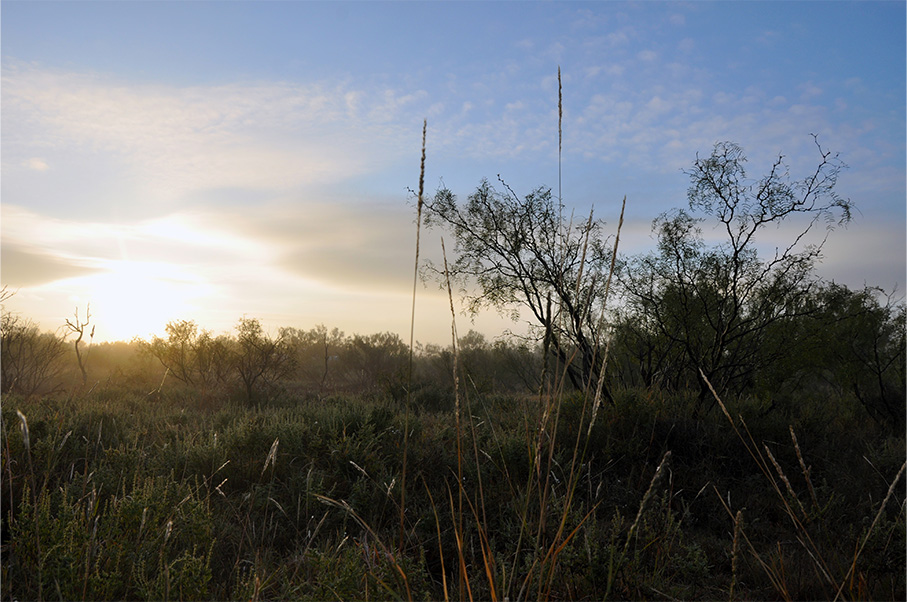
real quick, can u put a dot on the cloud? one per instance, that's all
(22, 266)
(333, 243)
(618, 38)
(177, 139)
(36, 164)
(38, 249)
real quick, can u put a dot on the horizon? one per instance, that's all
(203, 162)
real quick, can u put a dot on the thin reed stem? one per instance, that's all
(809, 483)
(458, 519)
(560, 132)
(412, 331)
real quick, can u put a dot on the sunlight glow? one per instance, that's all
(138, 298)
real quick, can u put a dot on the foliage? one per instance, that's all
(703, 311)
(525, 253)
(194, 357)
(30, 359)
(857, 344)
(316, 351)
(259, 360)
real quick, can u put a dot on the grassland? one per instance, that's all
(116, 495)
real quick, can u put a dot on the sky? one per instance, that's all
(212, 160)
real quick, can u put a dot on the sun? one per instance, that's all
(137, 299)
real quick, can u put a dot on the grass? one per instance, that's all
(301, 501)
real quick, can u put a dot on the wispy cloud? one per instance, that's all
(23, 266)
(36, 164)
(180, 139)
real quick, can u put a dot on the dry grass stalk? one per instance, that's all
(770, 572)
(458, 517)
(419, 203)
(738, 527)
(387, 554)
(853, 565)
(434, 510)
(458, 534)
(809, 483)
(560, 130)
(656, 479)
(453, 332)
(272, 456)
(805, 539)
(790, 490)
(412, 331)
(601, 319)
(26, 440)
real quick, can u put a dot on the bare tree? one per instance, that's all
(79, 327)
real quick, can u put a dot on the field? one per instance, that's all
(116, 494)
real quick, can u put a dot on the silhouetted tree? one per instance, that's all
(377, 360)
(317, 350)
(257, 358)
(192, 356)
(515, 253)
(29, 359)
(714, 304)
(79, 327)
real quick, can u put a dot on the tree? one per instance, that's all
(860, 345)
(257, 358)
(521, 253)
(715, 303)
(194, 357)
(79, 327)
(378, 360)
(29, 359)
(316, 350)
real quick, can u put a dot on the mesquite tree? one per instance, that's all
(515, 253)
(711, 306)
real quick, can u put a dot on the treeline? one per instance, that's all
(255, 366)
(321, 361)
(839, 343)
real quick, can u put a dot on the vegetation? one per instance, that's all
(711, 308)
(523, 253)
(140, 489)
(752, 447)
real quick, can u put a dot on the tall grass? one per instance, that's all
(412, 332)
(790, 502)
(300, 500)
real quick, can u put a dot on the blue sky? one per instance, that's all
(206, 160)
